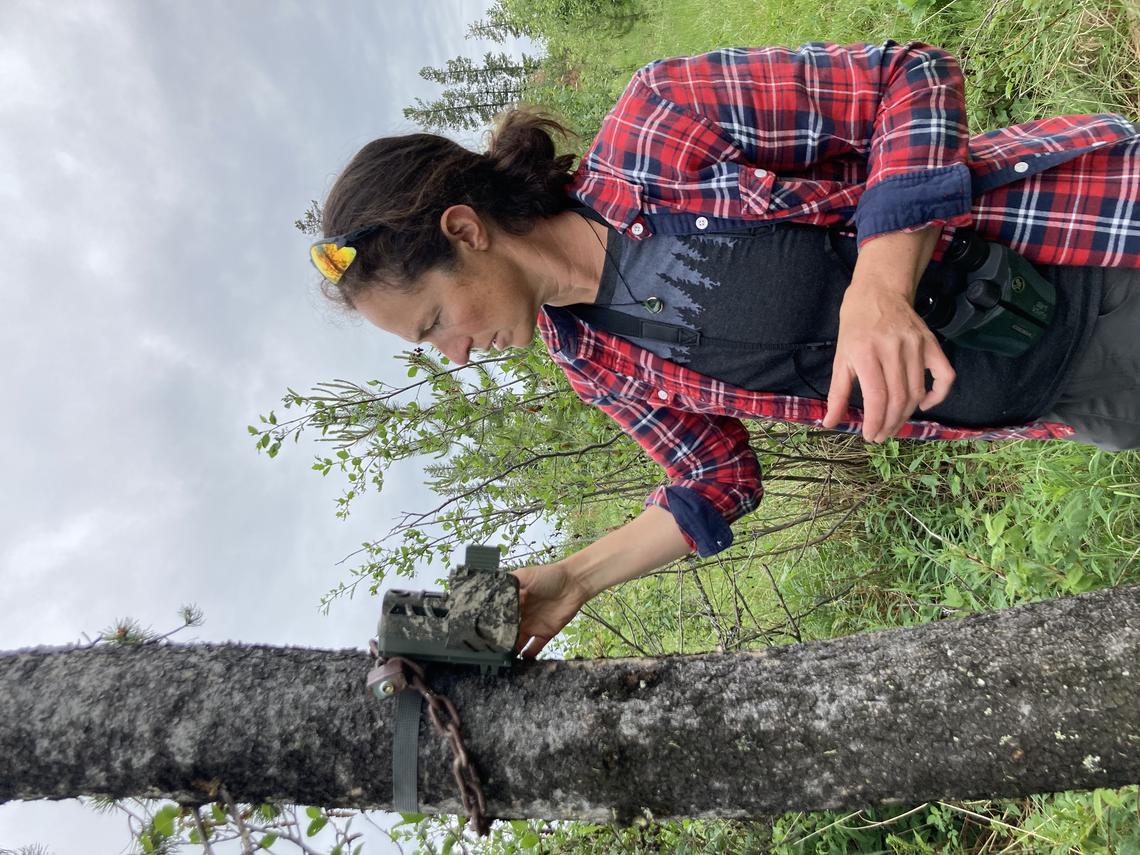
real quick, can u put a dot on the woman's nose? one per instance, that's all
(457, 350)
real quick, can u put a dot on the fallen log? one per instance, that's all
(1033, 699)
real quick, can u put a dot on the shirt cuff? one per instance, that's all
(700, 522)
(914, 199)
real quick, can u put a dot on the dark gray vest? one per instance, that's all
(766, 304)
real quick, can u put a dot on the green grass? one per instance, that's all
(916, 532)
(1023, 58)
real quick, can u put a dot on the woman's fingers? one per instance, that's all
(942, 371)
(838, 395)
(905, 376)
(533, 647)
(887, 352)
(548, 600)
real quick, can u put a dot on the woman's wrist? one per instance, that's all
(647, 542)
(587, 574)
(892, 264)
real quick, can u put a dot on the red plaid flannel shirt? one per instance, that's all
(873, 137)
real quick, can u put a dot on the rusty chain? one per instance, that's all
(445, 719)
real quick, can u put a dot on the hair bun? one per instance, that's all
(523, 149)
(405, 183)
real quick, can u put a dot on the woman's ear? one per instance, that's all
(464, 228)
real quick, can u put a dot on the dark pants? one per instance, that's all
(1101, 398)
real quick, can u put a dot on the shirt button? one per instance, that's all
(702, 222)
(1021, 166)
(637, 229)
(663, 395)
(759, 173)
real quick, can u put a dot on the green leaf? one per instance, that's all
(529, 840)
(313, 812)
(268, 811)
(164, 820)
(146, 843)
(316, 825)
(267, 841)
(219, 813)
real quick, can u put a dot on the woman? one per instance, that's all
(743, 305)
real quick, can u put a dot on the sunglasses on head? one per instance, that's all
(332, 256)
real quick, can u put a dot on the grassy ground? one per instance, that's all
(901, 533)
(1023, 58)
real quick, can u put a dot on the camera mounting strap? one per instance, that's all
(387, 679)
(405, 741)
(619, 323)
(405, 680)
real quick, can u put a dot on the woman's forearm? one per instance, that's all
(893, 263)
(647, 542)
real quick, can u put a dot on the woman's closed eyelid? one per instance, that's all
(423, 335)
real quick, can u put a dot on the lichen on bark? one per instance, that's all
(1034, 699)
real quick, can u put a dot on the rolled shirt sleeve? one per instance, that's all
(714, 474)
(871, 134)
(919, 145)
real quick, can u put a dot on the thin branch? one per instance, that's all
(779, 596)
(710, 612)
(589, 612)
(202, 831)
(246, 841)
(413, 519)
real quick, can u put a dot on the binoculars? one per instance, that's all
(988, 298)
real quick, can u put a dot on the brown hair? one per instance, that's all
(405, 183)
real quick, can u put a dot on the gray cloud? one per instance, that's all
(155, 298)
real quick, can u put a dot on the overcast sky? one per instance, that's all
(156, 298)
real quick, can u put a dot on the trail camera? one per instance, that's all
(475, 622)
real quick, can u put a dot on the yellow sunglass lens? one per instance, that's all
(332, 260)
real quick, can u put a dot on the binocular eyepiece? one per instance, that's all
(987, 298)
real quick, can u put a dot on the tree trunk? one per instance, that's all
(1029, 700)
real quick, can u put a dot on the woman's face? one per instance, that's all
(484, 303)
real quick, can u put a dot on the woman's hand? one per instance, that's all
(883, 343)
(886, 346)
(549, 596)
